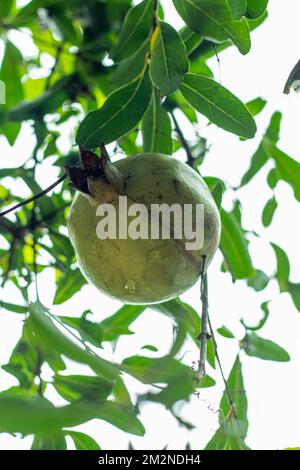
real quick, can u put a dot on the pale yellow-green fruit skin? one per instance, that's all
(145, 271)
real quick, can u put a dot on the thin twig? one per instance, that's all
(227, 391)
(35, 197)
(184, 143)
(204, 319)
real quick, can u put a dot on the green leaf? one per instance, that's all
(47, 103)
(89, 331)
(224, 331)
(256, 106)
(293, 79)
(259, 281)
(49, 441)
(227, 437)
(150, 347)
(69, 283)
(23, 360)
(10, 74)
(191, 40)
(77, 387)
(231, 433)
(294, 290)
(266, 312)
(154, 370)
(256, 346)
(217, 189)
(156, 128)
(135, 30)
(6, 6)
(288, 169)
(121, 112)
(118, 323)
(37, 415)
(13, 307)
(256, 8)
(169, 60)
(213, 20)
(121, 416)
(47, 333)
(261, 155)
(179, 389)
(83, 441)
(121, 393)
(238, 8)
(234, 247)
(181, 313)
(235, 383)
(283, 267)
(269, 211)
(219, 105)
(129, 69)
(273, 178)
(211, 354)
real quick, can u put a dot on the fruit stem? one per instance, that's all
(204, 336)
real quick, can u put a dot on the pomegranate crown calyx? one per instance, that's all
(94, 168)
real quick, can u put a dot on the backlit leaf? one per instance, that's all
(219, 105)
(169, 60)
(213, 20)
(156, 128)
(122, 111)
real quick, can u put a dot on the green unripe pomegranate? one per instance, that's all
(139, 271)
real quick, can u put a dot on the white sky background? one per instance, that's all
(273, 389)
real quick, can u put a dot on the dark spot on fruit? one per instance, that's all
(175, 184)
(157, 183)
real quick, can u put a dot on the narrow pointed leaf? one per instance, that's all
(213, 20)
(261, 155)
(156, 128)
(234, 247)
(136, 28)
(46, 332)
(288, 168)
(269, 211)
(121, 113)
(169, 60)
(255, 346)
(30, 416)
(219, 105)
(256, 8)
(83, 441)
(238, 8)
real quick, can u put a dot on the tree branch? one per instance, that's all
(184, 143)
(204, 320)
(35, 197)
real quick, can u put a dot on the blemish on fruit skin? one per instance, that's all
(176, 185)
(130, 286)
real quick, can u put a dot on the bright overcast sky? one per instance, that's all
(273, 389)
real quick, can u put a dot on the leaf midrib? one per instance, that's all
(184, 84)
